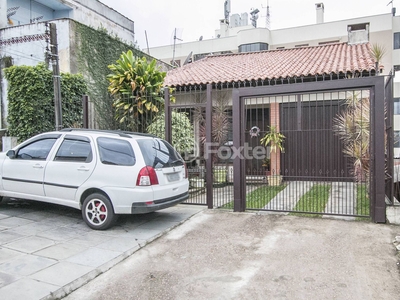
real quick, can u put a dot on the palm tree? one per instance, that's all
(378, 51)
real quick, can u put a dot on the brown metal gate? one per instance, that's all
(320, 175)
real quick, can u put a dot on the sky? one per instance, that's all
(194, 18)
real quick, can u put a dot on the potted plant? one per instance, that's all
(267, 164)
(275, 140)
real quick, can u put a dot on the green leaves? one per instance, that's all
(182, 130)
(96, 50)
(273, 138)
(31, 104)
(137, 87)
(352, 125)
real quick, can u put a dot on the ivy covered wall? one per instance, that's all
(95, 50)
(31, 104)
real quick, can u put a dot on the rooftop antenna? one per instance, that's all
(254, 16)
(393, 8)
(227, 10)
(173, 55)
(268, 16)
(147, 43)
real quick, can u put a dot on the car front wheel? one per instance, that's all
(98, 212)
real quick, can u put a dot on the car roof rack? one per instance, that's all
(122, 133)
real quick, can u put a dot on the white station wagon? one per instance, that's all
(102, 173)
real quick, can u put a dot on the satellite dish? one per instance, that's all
(200, 38)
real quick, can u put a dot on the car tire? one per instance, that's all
(98, 212)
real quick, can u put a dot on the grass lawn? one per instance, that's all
(260, 197)
(314, 200)
(362, 207)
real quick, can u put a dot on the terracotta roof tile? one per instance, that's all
(305, 61)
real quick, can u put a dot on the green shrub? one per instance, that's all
(31, 101)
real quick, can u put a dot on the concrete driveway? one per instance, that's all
(46, 250)
(223, 255)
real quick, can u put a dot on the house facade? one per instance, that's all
(383, 30)
(25, 35)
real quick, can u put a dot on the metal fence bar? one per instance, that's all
(378, 212)
(208, 158)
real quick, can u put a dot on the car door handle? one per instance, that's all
(83, 169)
(37, 166)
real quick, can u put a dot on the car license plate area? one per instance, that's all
(173, 177)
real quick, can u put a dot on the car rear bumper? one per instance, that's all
(143, 207)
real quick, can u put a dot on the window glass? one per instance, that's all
(254, 47)
(396, 106)
(116, 152)
(37, 150)
(396, 139)
(396, 41)
(158, 153)
(74, 150)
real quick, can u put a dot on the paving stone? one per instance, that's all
(8, 254)
(32, 228)
(158, 224)
(93, 257)
(3, 216)
(7, 236)
(26, 265)
(6, 279)
(14, 222)
(90, 239)
(60, 220)
(26, 288)
(61, 233)
(120, 244)
(38, 215)
(62, 273)
(30, 244)
(61, 251)
(143, 233)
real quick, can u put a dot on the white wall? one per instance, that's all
(96, 14)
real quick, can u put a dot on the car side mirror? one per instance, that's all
(11, 154)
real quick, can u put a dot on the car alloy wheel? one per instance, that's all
(98, 212)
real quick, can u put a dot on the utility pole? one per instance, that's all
(56, 76)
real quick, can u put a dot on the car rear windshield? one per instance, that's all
(159, 153)
(116, 152)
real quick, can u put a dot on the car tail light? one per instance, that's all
(186, 170)
(147, 176)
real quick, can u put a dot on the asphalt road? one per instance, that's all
(223, 255)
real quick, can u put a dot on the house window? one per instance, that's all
(396, 110)
(396, 139)
(255, 47)
(301, 45)
(396, 41)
